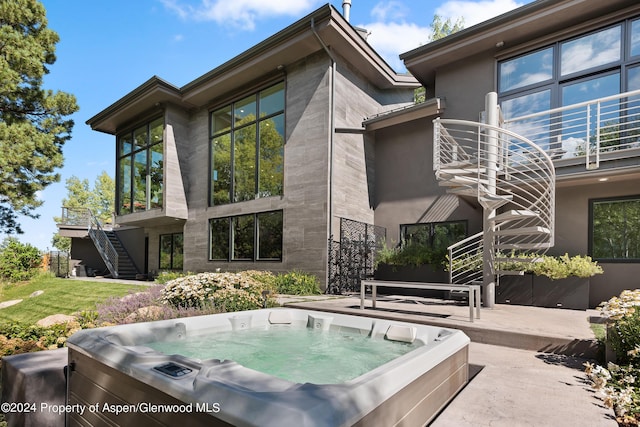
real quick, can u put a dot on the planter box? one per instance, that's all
(540, 291)
(403, 273)
(572, 292)
(517, 290)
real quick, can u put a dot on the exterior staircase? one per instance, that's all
(513, 180)
(114, 255)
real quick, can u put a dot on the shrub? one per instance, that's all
(145, 306)
(166, 276)
(217, 289)
(410, 254)
(623, 316)
(297, 283)
(618, 384)
(18, 261)
(16, 338)
(554, 267)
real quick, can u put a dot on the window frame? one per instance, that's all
(255, 257)
(231, 133)
(432, 226)
(171, 262)
(591, 236)
(131, 154)
(559, 81)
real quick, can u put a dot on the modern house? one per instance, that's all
(528, 140)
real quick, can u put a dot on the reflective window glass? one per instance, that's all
(219, 241)
(247, 155)
(536, 129)
(221, 169)
(124, 185)
(124, 144)
(156, 128)
(155, 175)
(615, 229)
(635, 38)
(271, 175)
(140, 181)
(221, 120)
(591, 51)
(526, 70)
(243, 232)
(270, 235)
(580, 125)
(244, 110)
(140, 138)
(244, 164)
(272, 100)
(171, 251)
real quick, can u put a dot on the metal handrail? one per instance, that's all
(586, 129)
(465, 259)
(504, 171)
(103, 244)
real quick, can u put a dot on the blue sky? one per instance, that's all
(107, 48)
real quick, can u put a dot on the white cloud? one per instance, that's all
(389, 10)
(474, 12)
(238, 13)
(393, 33)
(392, 38)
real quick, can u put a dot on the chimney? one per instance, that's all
(346, 8)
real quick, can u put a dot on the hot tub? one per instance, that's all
(128, 375)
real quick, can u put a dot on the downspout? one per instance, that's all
(332, 127)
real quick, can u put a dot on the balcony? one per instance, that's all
(601, 134)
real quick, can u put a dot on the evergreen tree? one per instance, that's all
(33, 121)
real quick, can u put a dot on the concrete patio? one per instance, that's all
(527, 361)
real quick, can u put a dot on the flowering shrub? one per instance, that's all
(145, 306)
(618, 384)
(623, 314)
(618, 387)
(620, 307)
(226, 291)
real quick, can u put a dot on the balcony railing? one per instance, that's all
(588, 129)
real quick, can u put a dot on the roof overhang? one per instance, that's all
(324, 27)
(429, 108)
(532, 21)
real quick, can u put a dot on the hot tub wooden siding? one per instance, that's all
(92, 382)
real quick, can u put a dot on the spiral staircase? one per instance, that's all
(513, 180)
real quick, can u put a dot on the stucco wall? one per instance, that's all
(464, 85)
(406, 188)
(572, 236)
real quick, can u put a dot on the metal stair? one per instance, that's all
(114, 255)
(512, 179)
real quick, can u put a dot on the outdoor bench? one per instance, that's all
(473, 290)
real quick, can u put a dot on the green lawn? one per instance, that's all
(60, 296)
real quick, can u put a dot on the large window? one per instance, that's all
(247, 147)
(247, 237)
(434, 235)
(615, 229)
(591, 66)
(171, 250)
(140, 168)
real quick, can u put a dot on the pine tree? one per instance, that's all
(33, 121)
